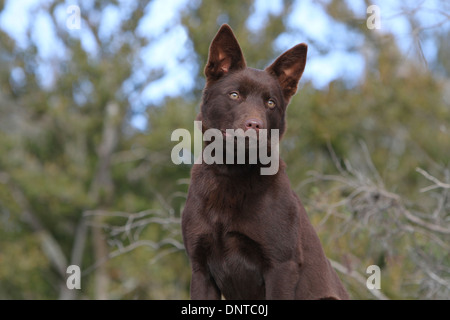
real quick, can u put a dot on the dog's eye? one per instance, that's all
(234, 95)
(271, 104)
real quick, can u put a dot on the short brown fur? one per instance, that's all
(247, 235)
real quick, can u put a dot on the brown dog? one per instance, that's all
(247, 235)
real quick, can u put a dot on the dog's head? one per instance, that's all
(237, 97)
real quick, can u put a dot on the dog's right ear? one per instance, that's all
(288, 69)
(225, 55)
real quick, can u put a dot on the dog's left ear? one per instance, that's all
(225, 54)
(288, 69)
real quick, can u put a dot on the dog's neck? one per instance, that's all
(244, 171)
(239, 170)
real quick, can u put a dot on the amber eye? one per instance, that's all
(271, 104)
(234, 95)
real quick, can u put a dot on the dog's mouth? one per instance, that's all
(249, 139)
(225, 134)
(240, 133)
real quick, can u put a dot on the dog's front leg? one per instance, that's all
(281, 281)
(203, 286)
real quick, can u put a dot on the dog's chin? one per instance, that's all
(225, 134)
(236, 138)
(239, 132)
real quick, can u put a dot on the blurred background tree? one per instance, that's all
(85, 119)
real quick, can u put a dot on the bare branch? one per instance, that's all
(360, 191)
(437, 183)
(126, 237)
(358, 277)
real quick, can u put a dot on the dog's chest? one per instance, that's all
(233, 240)
(236, 265)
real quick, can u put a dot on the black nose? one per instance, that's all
(253, 124)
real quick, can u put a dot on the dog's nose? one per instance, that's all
(253, 124)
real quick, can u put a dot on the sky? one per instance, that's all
(162, 22)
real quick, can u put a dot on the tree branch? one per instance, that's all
(358, 277)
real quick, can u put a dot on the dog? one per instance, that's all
(247, 235)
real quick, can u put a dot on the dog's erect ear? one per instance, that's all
(288, 69)
(225, 54)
